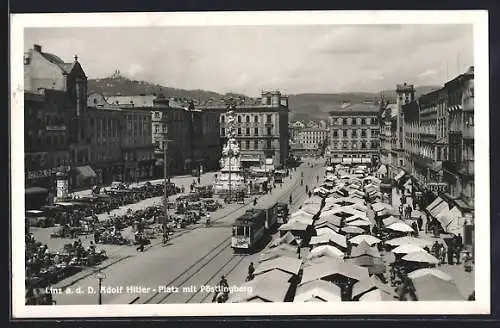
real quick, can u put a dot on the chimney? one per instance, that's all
(37, 47)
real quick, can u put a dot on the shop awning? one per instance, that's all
(399, 176)
(435, 203)
(86, 171)
(35, 190)
(440, 208)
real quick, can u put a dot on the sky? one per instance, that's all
(248, 59)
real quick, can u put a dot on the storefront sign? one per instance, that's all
(62, 188)
(56, 128)
(44, 173)
(438, 187)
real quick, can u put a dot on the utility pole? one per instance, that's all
(166, 179)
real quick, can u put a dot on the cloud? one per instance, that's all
(426, 73)
(134, 70)
(245, 59)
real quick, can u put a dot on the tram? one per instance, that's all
(252, 227)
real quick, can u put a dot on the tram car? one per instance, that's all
(252, 227)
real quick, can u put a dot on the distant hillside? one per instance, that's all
(119, 85)
(314, 106)
(305, 106)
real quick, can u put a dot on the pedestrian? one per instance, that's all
(442, 254)
(310, 194)
(420, 223)
(298, 252)
(435, 248)
(468, 262)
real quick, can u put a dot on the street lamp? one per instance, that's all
(100, 276)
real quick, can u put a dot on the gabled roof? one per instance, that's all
(65, 67)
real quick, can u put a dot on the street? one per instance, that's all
(197, 257)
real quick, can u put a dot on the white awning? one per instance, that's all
(399, 176)
(86, 171)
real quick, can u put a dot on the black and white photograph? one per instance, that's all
(165, 163)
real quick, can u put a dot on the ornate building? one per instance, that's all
(354, 134)
(405, 94)
(261, 127)
(64, 109)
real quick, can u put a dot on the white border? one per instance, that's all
(482, 230)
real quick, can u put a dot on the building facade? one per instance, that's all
(262, 128)
(45, 72)
(47, 117)
(313, 140)
(354, 134)
(458, 170)
(411, 136)
(405, 93)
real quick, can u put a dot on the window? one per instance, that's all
(222, 119)
(363, 133)
(49, 141)
(157, 114)
(256, 144)
(268, 144)
(344, 121)
(256, 131)
(223, 132)
(239, 118)
(269, 131)
(344, 133)
(239, 131)
(269, 118)
(247, 144)
(247, 131)
(248, 119)
(256, 119)
(362, 121)
(363, 145)
(335, 133)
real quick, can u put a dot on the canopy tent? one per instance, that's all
(331, 268)
(366, 261)
(390, 220)
(326, 226)
(287, 239)
(363, 248)
(406, 249)
(314, 200)
(321, 190)
(284, 263)
(429, 271)
(318, 289)
(380, 206)
(369, 239)
(332, 218)
(284, 250)
(329, 236)
(409, 241)
(294, 226)
(370, 284)
(302, 216)
(325, 250)
(432, 288)
(326, 230)
(420, 257)
(360, 207)
(352, 230)
(400, 227)
(272, 286)
(311, 208)
(378, 295)
(358, 223)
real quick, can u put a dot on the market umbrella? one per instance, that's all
(358, 223)
(353, 230)
(364, 249)
(432, 288)
(377, 295)
(370, 284)
(421, 257)
(325, 250)
(409, 241)
(318, 290)
(429, 271)
(369, 239)
(400, 227)
(408, 248)
(390, 220)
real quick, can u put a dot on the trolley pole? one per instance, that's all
(165, 180)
